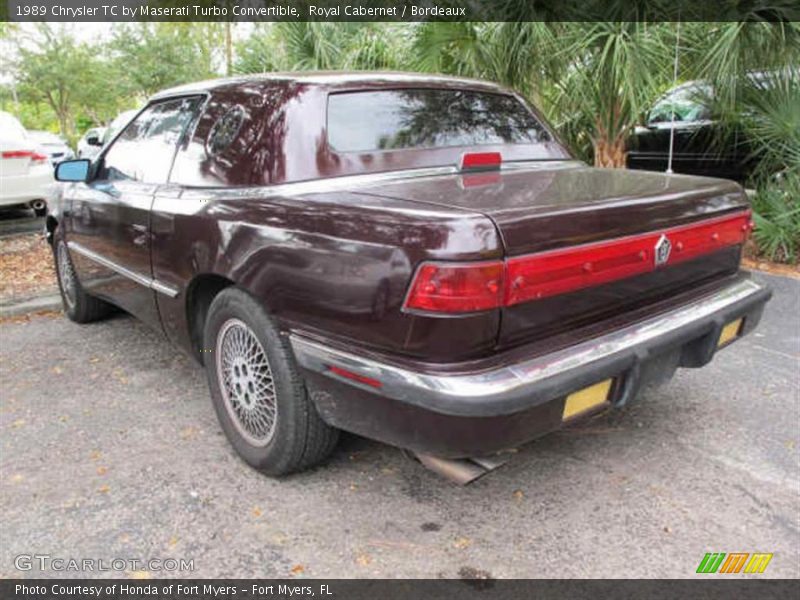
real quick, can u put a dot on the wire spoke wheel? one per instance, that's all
(246, 382)
(66, 275)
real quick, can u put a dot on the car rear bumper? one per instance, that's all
(22, 189)
(470, 413)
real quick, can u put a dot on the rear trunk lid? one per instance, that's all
(550, 207)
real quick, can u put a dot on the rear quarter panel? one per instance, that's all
(334, 265)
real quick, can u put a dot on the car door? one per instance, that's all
(109, 237)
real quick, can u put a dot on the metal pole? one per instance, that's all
(674, 83)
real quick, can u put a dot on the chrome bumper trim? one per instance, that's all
(147, 282)
(507, 388)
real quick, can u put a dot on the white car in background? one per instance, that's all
(91, 143)
(26, 175)
(53, 145)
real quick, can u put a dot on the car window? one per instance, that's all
(689, 103)
(145, 148)
(120, 121)
(426, 118)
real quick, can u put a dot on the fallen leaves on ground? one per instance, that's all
(26, 318)
(298, 570)
(189, 432)
(462, 542)
(364, 559)
(771, 267)
(26, 267)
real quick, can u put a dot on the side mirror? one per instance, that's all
(73, 170)
(94, 140)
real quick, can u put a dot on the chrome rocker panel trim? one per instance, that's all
(147, 282)
(508, 389)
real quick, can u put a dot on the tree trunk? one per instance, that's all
(610, 155)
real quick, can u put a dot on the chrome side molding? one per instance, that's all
(144, 280)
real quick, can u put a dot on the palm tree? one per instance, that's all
(304, 46)
(591, 79)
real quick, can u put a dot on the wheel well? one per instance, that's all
(201, 293)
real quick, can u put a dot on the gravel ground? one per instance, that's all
(110, 449)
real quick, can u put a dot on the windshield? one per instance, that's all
(427, 118)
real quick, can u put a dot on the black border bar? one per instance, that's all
(701, 587)
(84, 11)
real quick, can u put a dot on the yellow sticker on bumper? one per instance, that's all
(730, 332)
(587, 399)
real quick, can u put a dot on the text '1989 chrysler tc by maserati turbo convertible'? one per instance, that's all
(414, 259)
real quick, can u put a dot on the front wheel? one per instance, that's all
(78, 305)
(257, 392)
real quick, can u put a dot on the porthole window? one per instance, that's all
(225, 131)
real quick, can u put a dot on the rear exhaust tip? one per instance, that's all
(462, 470)
(38, 205)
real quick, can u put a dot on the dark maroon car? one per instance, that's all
(415, 259)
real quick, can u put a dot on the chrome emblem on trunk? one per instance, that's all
(662, 249)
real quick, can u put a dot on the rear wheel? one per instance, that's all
(257, 392)
(78, 305)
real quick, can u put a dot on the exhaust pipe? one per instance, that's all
(38, 205)
(462, 470)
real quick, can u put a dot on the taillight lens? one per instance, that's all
(571, 269)
(457, 288)
(33, 156)
(471, 287)
(479, 161)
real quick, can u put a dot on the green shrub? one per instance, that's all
(776, 212)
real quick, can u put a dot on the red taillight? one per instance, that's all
(478, 161)
(34, 156)
(561, 271)
(17, 154)
(457, 288)
(471, 287)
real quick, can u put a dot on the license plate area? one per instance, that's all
(588, 400)
(730, 332)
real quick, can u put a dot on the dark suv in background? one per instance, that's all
(700, 148)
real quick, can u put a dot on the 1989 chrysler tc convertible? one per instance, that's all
(414, 259)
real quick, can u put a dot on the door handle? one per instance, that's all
(143, 234)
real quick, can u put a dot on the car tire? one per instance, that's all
(258, 394)
(78, 305)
